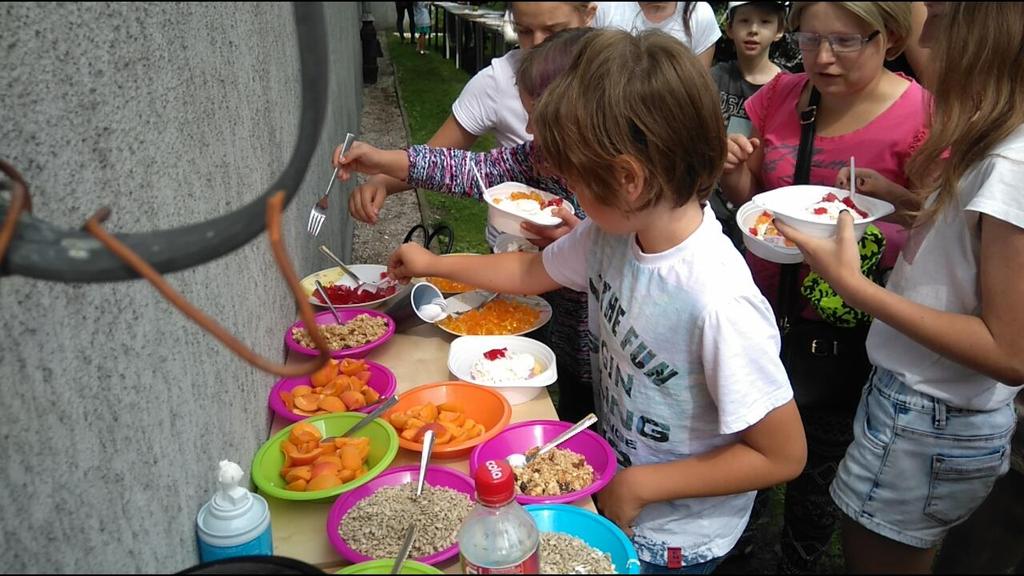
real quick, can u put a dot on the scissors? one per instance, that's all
(441, 232)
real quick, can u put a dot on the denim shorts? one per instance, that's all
(917, 467)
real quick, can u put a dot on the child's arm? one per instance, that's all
(510, 273)
(770, 452)
(992, 343)
(743, 160)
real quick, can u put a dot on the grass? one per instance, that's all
(429, 85)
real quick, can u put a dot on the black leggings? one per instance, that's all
(401, 8)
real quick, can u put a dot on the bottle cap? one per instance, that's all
(234, 515)
(495, 483)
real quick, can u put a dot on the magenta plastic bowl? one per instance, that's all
(518, 438)
(346, 314)
(439, 476)
(381, 379)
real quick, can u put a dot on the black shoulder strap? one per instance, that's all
(789, 292)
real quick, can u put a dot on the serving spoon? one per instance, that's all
(519, 460)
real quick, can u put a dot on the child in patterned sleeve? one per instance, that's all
(691, 392)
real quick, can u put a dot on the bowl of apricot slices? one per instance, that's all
(462, 415)
(346, 385)
(296, 464)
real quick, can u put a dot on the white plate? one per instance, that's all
(331, 276)
(468, 298)
(790, 205)
(508, 221)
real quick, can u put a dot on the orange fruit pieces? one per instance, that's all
(335, 387)
(447, 420)
(314, 465)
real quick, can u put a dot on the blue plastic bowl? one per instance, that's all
(592, 528)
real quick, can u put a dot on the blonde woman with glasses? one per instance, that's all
(878, 117)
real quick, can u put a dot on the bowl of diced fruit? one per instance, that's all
(338, 386)
(462, 415)
(762, 238)
(345, 292)
(510, 204)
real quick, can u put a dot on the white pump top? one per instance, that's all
(234, 515)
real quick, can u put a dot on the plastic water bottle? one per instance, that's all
(498, 536)
(235, 522)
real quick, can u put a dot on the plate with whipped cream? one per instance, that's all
(510, 204)
(815, 210)
(516, 366)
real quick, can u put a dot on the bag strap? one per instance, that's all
(789, 289)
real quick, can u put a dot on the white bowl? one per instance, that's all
(508, 221)
(745, 218)
(790, 205)
(466, 350)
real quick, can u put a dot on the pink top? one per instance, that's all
(884, 145)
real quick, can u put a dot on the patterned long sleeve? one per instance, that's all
(448, 170)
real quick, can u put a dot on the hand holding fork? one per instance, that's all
(318, 213)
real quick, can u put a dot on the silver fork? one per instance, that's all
(374, 286)
(318, 213)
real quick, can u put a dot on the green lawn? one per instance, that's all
(429, 84)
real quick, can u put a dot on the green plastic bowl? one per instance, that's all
(384, 567)
(266, 466)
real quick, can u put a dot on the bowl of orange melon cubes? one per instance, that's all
(298, 464)
(462, 415)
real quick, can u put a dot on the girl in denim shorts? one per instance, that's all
(933, 428)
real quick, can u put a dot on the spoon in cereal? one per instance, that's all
(520, 460)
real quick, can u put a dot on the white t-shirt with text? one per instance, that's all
(628, 16)
(685, 355)
(938, 268)
(490, 102)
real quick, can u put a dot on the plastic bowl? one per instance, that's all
(520, 437)
(436, 476)
(331, 276)
(466, 350)
(384, 567)
(325, 318)
(507, 221)
(595, 530)
(381, 379)
(266, 465)
(485, 405)
(790, 204)
(745, 218)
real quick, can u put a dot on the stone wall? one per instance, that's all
(116, 409)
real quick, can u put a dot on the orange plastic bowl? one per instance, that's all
(485, 405)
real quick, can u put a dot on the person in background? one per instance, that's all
(914, 60)
(692, 394)
(489, 103)
(448, 170)
(692, 23)
(753, 27)
(878, 117)
(934, 426)
(422, 12)
(401, 9)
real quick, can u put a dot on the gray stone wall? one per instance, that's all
(115, 408)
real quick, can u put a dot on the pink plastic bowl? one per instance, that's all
(347, 314)
(381, 379)
(438, 476)
(518, 438)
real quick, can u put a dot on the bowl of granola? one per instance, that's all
(361, 330)
(510, 204)
(577, 468)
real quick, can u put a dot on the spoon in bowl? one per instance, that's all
(410, 533)
(323, 294)
(519, 460)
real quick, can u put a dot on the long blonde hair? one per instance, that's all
(979, 95)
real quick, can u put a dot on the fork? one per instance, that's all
(318, 213)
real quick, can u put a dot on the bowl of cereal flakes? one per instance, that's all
(574, 469)
(361, 330)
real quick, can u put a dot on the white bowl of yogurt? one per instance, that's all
(516, 366)
(506, 213)
(815, 210)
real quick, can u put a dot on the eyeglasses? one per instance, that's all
(839, 43)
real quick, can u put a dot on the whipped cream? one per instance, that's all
(505, 367)
(431, 312)
(830, 206)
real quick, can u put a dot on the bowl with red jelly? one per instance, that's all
(343, 290)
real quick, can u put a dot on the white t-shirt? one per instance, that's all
(686, 356)
(938, 268)
(628, 16)
(490, 102)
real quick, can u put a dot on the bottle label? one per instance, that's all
(529, 565)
